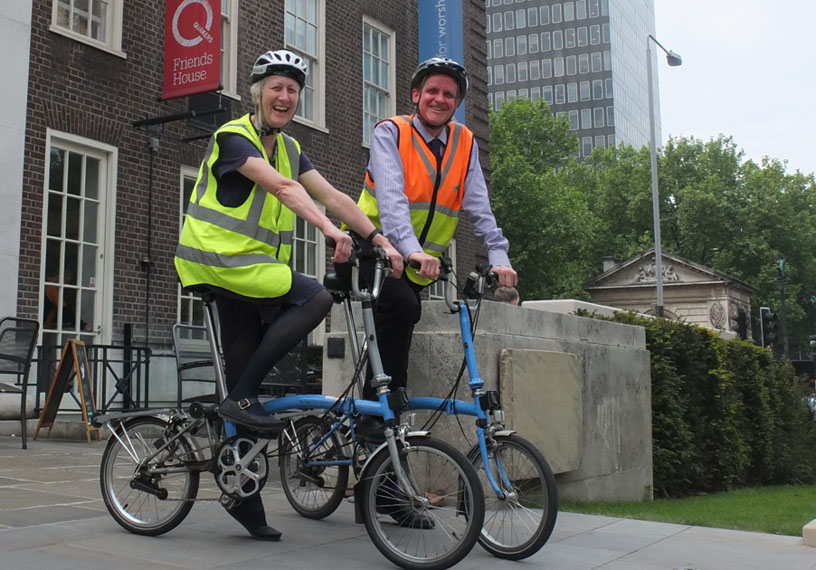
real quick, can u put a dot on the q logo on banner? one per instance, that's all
(204, 32)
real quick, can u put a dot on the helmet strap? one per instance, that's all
(262, 128)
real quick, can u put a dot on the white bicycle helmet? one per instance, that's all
(441, 65)
(280, 62)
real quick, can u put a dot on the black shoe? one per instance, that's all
(250, 413)
(370, 429)
(250, 513)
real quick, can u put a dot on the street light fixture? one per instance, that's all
(673, 60)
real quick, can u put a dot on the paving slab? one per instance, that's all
(52, 517)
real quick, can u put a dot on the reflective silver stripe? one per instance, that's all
(452, 142)
(213, 259)
(233, 224)
(424, 206)
(434, 246)
(292, 153)
(429, 166)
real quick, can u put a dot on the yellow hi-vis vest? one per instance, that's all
(434, 187)
(244, 249)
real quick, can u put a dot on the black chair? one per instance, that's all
(18, 337)
(194, 363)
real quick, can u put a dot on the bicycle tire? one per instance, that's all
(138, 510)
(440, 531)
(517, 527)
(314, 491)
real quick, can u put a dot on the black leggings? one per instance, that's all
(255, 336)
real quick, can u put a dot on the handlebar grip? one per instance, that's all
(330, 243)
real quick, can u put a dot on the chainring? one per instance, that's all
(236, 474)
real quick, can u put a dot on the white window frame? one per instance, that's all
(316, 81)
(111, 44)
(390, 88)
(191, 299)
(103, 308)
(229, 47)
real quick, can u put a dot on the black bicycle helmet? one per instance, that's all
(441, 65)
(280, 62)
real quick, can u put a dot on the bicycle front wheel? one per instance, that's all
(439, 527)
(313, 481)
(520, 524)
(147, 496)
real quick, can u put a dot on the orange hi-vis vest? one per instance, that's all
(434, 186)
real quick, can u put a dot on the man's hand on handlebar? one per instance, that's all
(395, 257)
(428, 264)
(507, 275)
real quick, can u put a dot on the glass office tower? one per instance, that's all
(585, 58)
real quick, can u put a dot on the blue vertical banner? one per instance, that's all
(441, 34)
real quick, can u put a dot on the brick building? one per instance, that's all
(101, 194)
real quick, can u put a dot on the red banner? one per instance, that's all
(192, 47)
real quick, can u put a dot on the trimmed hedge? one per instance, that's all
(725, 414)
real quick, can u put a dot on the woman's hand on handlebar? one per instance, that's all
(428, 264)
(507, 275)
(342, 243)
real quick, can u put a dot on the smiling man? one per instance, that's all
(422, 173)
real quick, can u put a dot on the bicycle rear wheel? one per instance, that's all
(519, 525)
(314, 489)
(440, 527)
(147, 497)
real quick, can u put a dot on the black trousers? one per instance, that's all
(396, 311)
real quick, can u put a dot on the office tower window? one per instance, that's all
(521, 45)
(535, 70)
(596, 62)
(532, 43)
(511, 94)
(586, 118)
(532, 17)
(605, 33)
(510, 73)
(583, 36)
(521, 19)
(497, 22)
(569, 38)
(524, 93)
(545, 41)
(544, 15)
(558, 66)
(610, 116)
(610, 141)
(573, 119)
(522, 71)
(608, 83)
(597, 89)
(498, 75)
(509, 20)
(498, 49)
(490, 104)
(499, 100)
(586, 146)
(572, 93)
(580, 9)
(510, 46)
(547, 94)
(607, 60)
(558, 40)
(546, 68)
(598, 117)
(572, 65)
(489, 49)
(594, 8)
(560, 94)
(586, 94)
(487, 23)
(599, 141)
(569, 11)
(583, 63)
(535, 93)
(556, 13)
(595, 34)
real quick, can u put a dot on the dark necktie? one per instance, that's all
(436, 147)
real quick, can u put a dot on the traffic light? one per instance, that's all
(740, 324)
(768, 328)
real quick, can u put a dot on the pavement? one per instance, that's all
(52, 517)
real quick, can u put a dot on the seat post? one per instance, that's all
(209, 324)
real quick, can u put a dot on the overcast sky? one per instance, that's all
(748, 71)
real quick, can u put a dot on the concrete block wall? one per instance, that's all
(579, 388)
